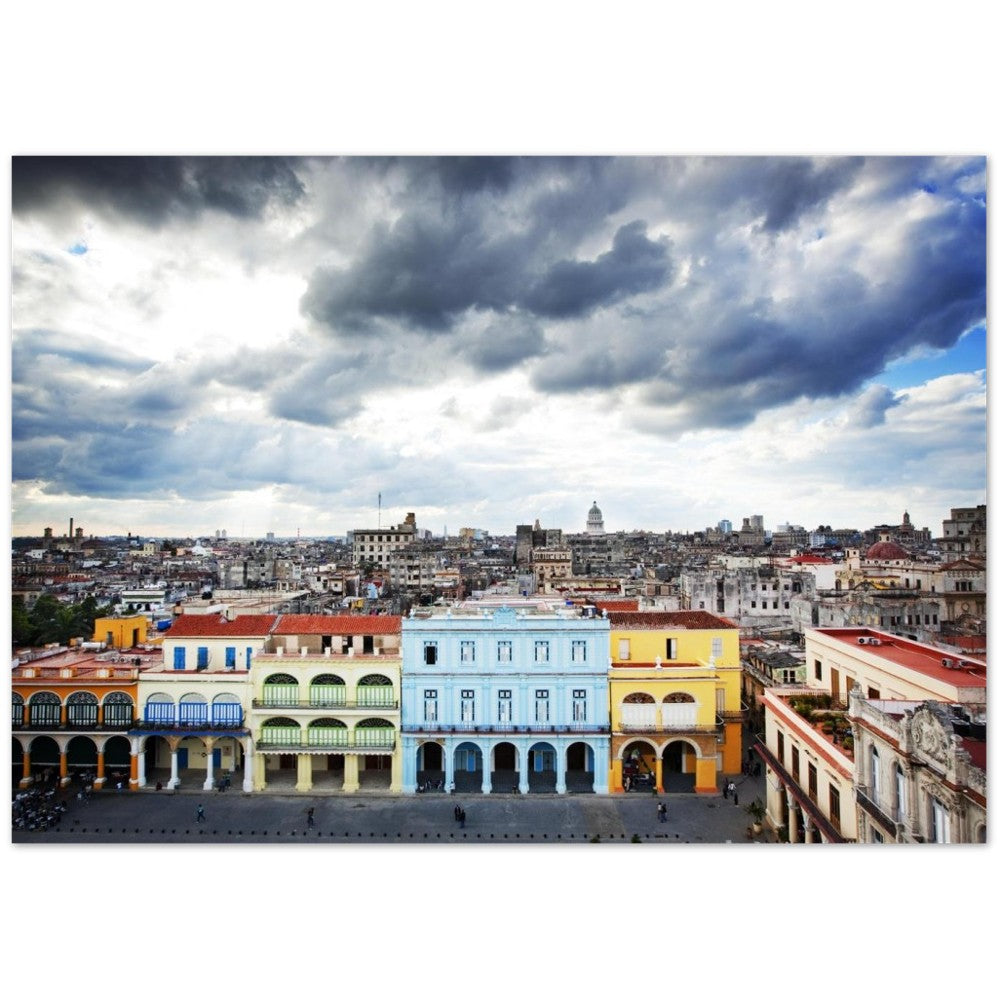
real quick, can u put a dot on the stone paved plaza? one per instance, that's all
(233, 817)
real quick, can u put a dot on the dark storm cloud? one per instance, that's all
(504, 343)
(151, 189)
(634, 264)
(790, 186)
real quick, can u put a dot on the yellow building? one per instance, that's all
(674, 687)
(121, 633)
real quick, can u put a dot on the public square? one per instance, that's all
(232, 817)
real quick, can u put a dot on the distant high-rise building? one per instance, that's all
(757, 522)
(725, 526)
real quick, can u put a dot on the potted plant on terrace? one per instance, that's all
(756, 812)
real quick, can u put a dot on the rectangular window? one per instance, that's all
(781, 748)
(877, 837)
(940, 824)
(753, 604)
(468, 652)
(579, 651)
(430, 705)
(180, 654)
(580, 705)
(468, 706)
(873, 693)
(900, 795)
(249, 656)
(818, 669)
(202, 657)
(671, 649)
(716, 647)
(795, 764)
(504, 652)
(430, 652)
(624, 649)
(230, 657)
(813, 782)
(504, 713)
(541, 651)
(835, 808)
(542, 705)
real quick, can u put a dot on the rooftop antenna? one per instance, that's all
(380, 510)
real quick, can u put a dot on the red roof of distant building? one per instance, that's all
(339, 625)
(216, 625)
(668, 619)
(628, 604)
(811, 559)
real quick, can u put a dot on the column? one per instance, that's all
(99, 780)
(522, 767)
(449, 766)
(658, 773)
(396, 770)
(249, 761)
(487, 767)
(810, 828)
(616, 775)
(259, 772)
(63, 769)
(174, 776)
(26, 771)
(62, 716)
(304, 772)
(793, 819)
(599, 759)
(351, 782)
(138, 777)
(100, 715)
(209, 765)
(560, 767)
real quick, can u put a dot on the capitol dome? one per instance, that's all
(595, 521)
(884, 551)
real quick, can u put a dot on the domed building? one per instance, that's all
(886, 552)
(595, 521)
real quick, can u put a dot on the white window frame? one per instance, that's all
(940, 822)
(505, 712)
(716, 647)
(580, 705)
(579, 651)
(505, 651)
(467, 708)
(624, 649)
(430, 705)
(541, 651)
(542, 705)
(467, 651)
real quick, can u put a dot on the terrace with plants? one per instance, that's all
(828, 718)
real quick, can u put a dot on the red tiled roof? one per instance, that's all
(628, 604)
(668, 619)
(976, 750)
(216, 625)
(339, 625)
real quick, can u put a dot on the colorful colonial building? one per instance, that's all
(325, 710)
(674, 686)
(505, 698)
(72, 713)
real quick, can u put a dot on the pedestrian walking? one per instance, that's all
(725, 789)
(461, 818)
(310, 819)
(458, 813)
(661, 812)
(736, 796)
(201, 814)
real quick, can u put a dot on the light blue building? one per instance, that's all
(504, 698)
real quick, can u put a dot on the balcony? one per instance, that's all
(317, 704)
(295, 742)
(505, 728)
(873, 808)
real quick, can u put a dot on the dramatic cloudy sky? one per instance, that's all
(268, 344)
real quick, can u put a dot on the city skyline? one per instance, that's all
(268, 344)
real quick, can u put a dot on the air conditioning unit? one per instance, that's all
(862, 640)
(947, 661)
(874, 642)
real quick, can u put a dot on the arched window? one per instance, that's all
(81, 709)
(160, 709)
(375, 691)
(327, 690)
(226, 710)
(44, 709)
(281, 732)
(678, 697)
(193, 710)
(639, 698)
(119, 710)
(281, 689)
(328, 733)
(16, 710)
(378, 733)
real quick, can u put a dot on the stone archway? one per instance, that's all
(542, 762)
(468, 773)
(580, 767)
(505, 774)
(679, 771)
(638, 766)
(430, 765)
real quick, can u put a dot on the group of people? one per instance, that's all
(460, 816)
(37, 809)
